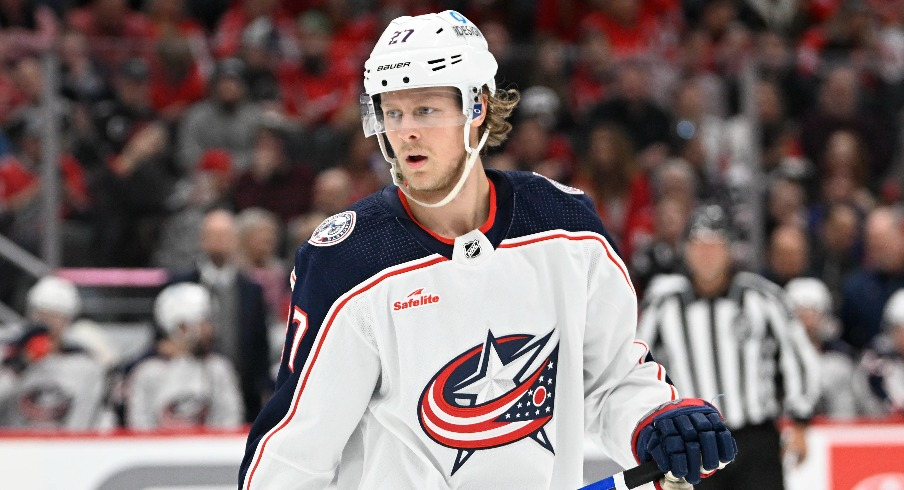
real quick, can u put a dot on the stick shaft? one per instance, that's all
(628, 479)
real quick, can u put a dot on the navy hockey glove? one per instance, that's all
(683, 435)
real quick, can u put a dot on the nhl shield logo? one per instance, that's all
(333, 229)
(472, 249)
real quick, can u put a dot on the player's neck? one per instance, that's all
(467, 211)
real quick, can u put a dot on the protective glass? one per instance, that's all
(404, 110)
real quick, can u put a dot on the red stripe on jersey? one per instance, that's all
(645, 352)
(326, 330)
(520, 433)
(571, 237)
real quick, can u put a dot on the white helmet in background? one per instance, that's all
(184, 303)
(809, 292)
(55, 295)
(893, 314)
(432, 50)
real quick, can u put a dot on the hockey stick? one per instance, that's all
(632, 478)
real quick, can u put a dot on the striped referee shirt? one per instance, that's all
(743, 351)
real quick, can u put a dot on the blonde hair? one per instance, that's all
(499, 107)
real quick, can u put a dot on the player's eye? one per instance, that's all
(426, 111)
(392, 114)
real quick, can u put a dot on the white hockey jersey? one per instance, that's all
(63, 391)
(474, 363)
(184, 392)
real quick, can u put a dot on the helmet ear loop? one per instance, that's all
(477, 110)
(390, 157)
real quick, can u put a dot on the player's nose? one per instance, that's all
(408, 134)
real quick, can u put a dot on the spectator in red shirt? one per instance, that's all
(847, 36)
(20, 183)
(593, 73)
(168, 18)
(176, 78)
(635, 27)
(316, 89)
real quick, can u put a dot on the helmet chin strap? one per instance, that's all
(473, 153)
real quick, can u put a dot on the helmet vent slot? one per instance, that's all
(438, 60)
(437, 68)
(440, 30)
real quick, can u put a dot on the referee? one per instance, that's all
(729, 337)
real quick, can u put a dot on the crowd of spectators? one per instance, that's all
(168, 109)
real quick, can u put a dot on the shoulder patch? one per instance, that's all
(334, 229)
(562, 187)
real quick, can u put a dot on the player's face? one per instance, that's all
(424, 128)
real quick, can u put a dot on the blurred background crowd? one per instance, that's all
(208, 138)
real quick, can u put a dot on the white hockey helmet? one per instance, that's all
(809, 292)
(183, 303)
(432, 50)
(55, 295)
(893, 314)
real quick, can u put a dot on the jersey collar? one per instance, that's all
(495, 226)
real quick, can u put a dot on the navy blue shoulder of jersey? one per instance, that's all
(542, 204)
(376, 242)
(384, 235)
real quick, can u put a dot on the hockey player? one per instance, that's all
(186, 385)
(811, 302)
(46, 381)
(883, 361)
(464, 328)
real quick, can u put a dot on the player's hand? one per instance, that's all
(685, 437)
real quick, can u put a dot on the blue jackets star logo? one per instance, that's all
(492, 395)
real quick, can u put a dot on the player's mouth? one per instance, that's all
(415, 160)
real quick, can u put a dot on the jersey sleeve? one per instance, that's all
(621, 381)
(328, 372)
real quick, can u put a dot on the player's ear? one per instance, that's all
(480, 111)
